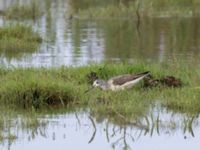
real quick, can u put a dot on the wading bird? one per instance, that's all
(121, 82)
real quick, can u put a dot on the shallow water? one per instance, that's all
(166, 130)
(78, 41)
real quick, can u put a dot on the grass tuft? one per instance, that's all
(18, 38)
(134, 9)
(22, 11)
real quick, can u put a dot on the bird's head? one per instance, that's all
(98, 83)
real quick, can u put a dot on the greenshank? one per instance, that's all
(121, 82)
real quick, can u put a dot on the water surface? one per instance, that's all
(78, 41)
(165, 130)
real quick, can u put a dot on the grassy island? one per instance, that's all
(66, 86)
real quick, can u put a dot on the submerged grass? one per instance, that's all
(66, 86)
(18, 38)
(24, 11)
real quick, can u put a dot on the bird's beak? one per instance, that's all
(91, 88)
(94, 85)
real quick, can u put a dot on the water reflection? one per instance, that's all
(81, 130)
(74, 42)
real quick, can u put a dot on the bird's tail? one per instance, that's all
(144, 73)
(137, 78)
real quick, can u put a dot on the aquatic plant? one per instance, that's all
(107, 12)
(18, 38)
(135, 9)
(24, 11)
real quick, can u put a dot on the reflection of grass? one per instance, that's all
(18, 38)
(154, 8)
(1, 124)
(65, 87)
(20, 120)
(9, 137)
(30, 11)
(32, 123)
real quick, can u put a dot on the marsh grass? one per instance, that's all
(107, 12)
(165, 8)
(18, 38)
(131, 9)
(66, 86)
(24, 11)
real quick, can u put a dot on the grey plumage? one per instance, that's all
(121, 82)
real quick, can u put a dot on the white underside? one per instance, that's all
(127, 85)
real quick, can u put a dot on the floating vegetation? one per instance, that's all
(18, 38)
(66, 86)
(23, 11)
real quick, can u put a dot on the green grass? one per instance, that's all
(65, 87)
(131, 9)
(18, 38)
(107, 12)
(165, 8)
(23, 11)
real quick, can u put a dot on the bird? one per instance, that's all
(121, 82)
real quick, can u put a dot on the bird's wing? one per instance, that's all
(122, 79)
